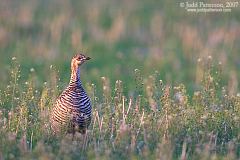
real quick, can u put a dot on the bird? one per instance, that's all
(72, 111)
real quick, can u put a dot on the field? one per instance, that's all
(164, 82)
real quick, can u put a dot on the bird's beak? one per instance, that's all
(88, 58)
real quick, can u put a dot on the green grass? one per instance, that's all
(156, 121)
(139, 49)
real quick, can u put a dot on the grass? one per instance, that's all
(156, 91)
(157, 121)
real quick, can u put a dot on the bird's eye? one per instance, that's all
(79, 58)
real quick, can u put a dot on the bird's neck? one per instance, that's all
(75, 76)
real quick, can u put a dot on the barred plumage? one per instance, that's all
(72, 111)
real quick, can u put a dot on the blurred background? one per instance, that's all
(120, 36)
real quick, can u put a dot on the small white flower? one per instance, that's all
(32, 70)
(14, 58)
(118, 81)
(136, 70)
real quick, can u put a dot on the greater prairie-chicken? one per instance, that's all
(72, 111)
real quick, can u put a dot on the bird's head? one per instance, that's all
(79, 59)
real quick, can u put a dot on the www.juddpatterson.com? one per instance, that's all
(208, 10)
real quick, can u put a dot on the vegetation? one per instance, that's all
(163, 82)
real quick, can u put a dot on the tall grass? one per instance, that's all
(157, 121)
